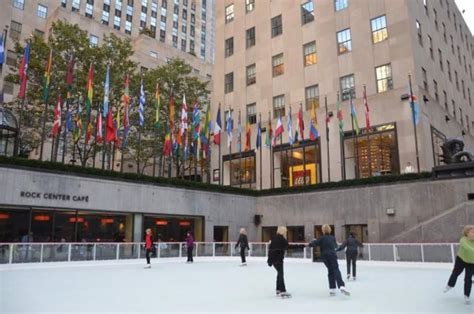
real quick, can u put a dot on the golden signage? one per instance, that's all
(297, 175)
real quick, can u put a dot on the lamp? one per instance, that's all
(446, 117)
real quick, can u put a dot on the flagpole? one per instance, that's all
(230, 147)
(139, 148)
(220, 140)
(65, 130)
(240, 150)
(22, 106)
(4, 43)
(89, 117)
(303, 146)
(272, 160)
(367, 131)
(261, 146)
(412, 104)
(43, 131)
(354, 140)
(327, 138)
(209, 147)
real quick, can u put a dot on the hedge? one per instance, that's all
(56, 167)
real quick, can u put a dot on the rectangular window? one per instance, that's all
(419, 33)
(469, 96)
(15, 30)
(307, 12)
(162, 35)
(128, 28)
(42, 11)
(435, 17)
(252, 113)
(278, 66)
(117, 23)
(229, 47)
(175, 41)
(425, 79)
(89, 9)
(340, 4)
(38, 33)
(435, 87)
(453, 103)
(459, 55)
(430, 47)
(383, 76)
(344, 41)
(452, 43)
(249, 6)
(311, 97)
(105, 18)
(277, 26)
(76, 4)
(440, 54)
(309, 54)
(19, 4)
(183, 44)
(229, 13)
(251, 74)
(11, 58)
(379, 29)
(250, 37)
(93, 40)
(279, 106)
(448, 65)
(347, 86)
(445, 97)
(444, 33)
(463, 89)
(229, 83)
(457, 79)
(63, 3)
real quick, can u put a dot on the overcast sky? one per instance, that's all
(467, 5)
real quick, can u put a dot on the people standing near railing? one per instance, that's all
(351, 245)
(464, 261)
(189, 246)
(328, 246)
(276, 254)
(244, 244)
(148, 247)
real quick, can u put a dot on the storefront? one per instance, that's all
(168, 228)
(242, 168)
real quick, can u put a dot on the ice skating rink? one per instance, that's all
(220, 285)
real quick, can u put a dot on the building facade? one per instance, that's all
(274, 58)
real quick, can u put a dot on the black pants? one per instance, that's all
(147, 255)
(351, 259)
(242, 254)
(190, 254)
(334, 275)
(280, 280)
(459, 266)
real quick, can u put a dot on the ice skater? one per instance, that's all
(328, 246)
(464, 261)
(189, 246)
(276, 254)
(244, 244)
(351, 245)
(148, 247)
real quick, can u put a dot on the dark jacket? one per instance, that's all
(327, 243)
(189, 241)
(276, 251)
(351, 245)
(243, 241)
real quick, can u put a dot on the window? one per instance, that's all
(469, 96)
(93, 40)
(444, 33)
(425, 4)
(229, 13)
(459, 55)
(251, 74)
(445, 97)
(438, 140)
(344, 42)
(435, 17)
(183, 44)
(42, 11)
(11, 58)
(117, 23)
(461, 116)
(340, 4)
(128, 28)
(252, 113)
(311, 97)
(249, 6)
(105, 18)
(452, 43)
(448, 64)
(307, 12)
(347, 86)
(250, 37)
(453, 103)
(383, 76)
(425, 79)
(229, 47)
(15, 30)
(89, 8)
(175, 41)
(76, 4)
(440, 54)
(63, 3)
(435, 86)
(379, 29)
(463, 89)
(19, 4)
(229, 83)
(277, 26)
(278, 66)
(430, 46)
(309, 54)
(279, 106)
(38, 33)
(457, 80)
(420, 35)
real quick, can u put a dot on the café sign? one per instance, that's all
(54, 196)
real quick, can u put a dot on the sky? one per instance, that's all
(467, 5)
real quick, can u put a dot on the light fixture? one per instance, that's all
(463, 133)
(425, 99)
(446, 117)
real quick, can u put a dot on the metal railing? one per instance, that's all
(14, 253)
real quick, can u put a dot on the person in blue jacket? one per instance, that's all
(352, 250)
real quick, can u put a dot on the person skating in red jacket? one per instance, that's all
(148, 247)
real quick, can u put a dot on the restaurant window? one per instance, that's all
(14, 225)
(278, 67)
(268, 233)
(373, 154)
(379, 29)
(360, 232)
(437, 140)
(167, 228)
(309, 54)
(312, 97)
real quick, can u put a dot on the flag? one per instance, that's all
(196, 122)
(117, 127)
(301, 122)
(105, 109)
(339, 115)
(23, 71)
(269, 136)
(218, 127)
(355, 122)
(157, 106)
(47, 76)
(313, 130)
(167, 146)
(98, 128)
(90, 89)
(205, 131)
(184, 121)
(278, 131)
(125, 103)
(230, 127)
(141, 108)
(111, 132)
(69, 126)
(2, 50)
(239, 135)
(247, 135)
(89, 131)
(258, 144)
(367, 115)
(291, 138)
(70, 77)
(78, 129)
(57, 117)
(171, 114)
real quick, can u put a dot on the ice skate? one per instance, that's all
(353, 278)
(332, 292)
(243, 264)
(147, 266)
(447, 288)
(285, 295)
(348, 277)
(467, 300)
(278, 292)
(344, 291)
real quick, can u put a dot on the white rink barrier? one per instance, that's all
(14, 253)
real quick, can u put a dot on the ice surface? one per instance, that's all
(220, 285)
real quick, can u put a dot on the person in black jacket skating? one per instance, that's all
(328, 246)
(276, 254)
(244, 244)
(351, 245)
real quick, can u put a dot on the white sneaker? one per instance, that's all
(447, 288)
(332, 292)
(344, 291)
(466, 300)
